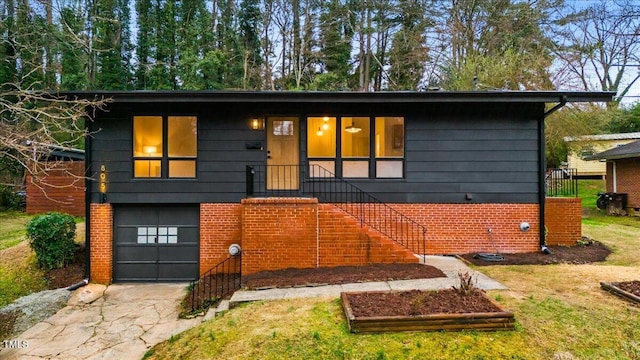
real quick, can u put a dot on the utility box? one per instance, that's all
(616, 204)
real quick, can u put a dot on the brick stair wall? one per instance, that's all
(280, 233)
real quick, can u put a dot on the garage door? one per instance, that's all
(156, 243)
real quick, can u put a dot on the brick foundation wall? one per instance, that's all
(220, 226)
(463, 228)
(61, 189)
(101, 243)
(563, 218)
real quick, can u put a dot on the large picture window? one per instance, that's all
(165, 147)
(369, 147)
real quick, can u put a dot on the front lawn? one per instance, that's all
(561, 313)
(12, 228)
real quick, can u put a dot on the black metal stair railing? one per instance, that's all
(316, 181)
(214, 285)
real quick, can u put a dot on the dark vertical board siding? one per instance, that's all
(487, 150)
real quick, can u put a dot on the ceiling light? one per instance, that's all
(352, 129)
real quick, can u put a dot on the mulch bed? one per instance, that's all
(339, 275)
(415, 310)
(589, 252)
(417, 302)
(632, 287)
(71, 274)
(629, 290)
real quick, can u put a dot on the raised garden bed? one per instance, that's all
(629, 290)
(449, 310)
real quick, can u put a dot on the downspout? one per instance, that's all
(87, 200)
(542, 172)
(615, 177)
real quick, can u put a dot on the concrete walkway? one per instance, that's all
(450, 266)
(122, 323)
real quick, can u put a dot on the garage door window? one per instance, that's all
(165, 147)
(161, 235)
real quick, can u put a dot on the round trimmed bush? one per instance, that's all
(51, 237)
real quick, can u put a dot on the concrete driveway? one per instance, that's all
(122, 323)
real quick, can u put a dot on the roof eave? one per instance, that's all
(345, 97)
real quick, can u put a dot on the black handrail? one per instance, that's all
(561, 183)
(316, 181)
(214, 285)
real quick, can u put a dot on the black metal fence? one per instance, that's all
(316, 181)
(561, 183)
(217, 283)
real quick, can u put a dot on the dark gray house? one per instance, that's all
(347, 177)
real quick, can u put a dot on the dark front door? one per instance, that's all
(159, 243)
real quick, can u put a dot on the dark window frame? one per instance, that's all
(165, 158)
(372, 159)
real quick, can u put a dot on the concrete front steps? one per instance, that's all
(345, 243)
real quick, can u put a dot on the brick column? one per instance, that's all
(220, 226)
(563, 218)
(101, 243)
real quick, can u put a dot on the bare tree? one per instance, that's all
(34, 119)
(601, 42)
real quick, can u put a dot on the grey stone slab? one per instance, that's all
(370, 286)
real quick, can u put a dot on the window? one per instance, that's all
(155, 149)
(389, 147)
(369, 146)
(355, 146)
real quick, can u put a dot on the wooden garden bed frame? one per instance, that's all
(493, 321)
(612, 288)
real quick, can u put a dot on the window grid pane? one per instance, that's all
(321, 137)
(182, 136)
(355, 137)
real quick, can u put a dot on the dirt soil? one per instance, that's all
(589, 251)
(416, 302)
(632, 287)
(71, 274)
(339, 275)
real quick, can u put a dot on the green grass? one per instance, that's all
(19, 274)
(12, 228)
(20, 278)
(588, 191)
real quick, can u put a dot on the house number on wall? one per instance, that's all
(103, 179)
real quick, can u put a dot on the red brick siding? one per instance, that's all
(628, 178)
(342, 242)
(463, 228)
(220, 226)
(101, 243)
(278, 233)
(563, 220)
(60, 189)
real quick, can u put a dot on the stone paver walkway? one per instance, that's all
(122, 324)
(449, 265)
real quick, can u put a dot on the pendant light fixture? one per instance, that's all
(352, 128)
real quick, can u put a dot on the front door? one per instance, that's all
(283, 156)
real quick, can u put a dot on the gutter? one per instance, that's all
(542, 172)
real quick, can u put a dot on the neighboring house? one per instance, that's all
(179, 177)
(60, 186)
(584, 146)
(623, 173)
